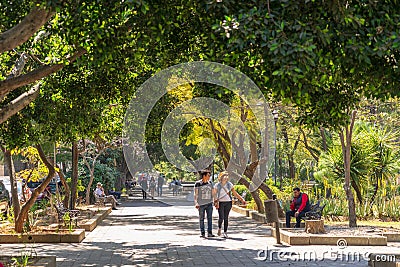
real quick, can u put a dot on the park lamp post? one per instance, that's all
(275, 113)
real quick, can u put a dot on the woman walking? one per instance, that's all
(222, 192)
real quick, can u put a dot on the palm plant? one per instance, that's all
(384, 143)
(331, 168)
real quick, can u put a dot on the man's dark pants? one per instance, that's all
(290, 214)
(207, 208)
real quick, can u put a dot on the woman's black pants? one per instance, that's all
(223, 211)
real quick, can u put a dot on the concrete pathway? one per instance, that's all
(164, 232)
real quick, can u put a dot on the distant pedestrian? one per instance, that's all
(160, 183)
(152, 186)
(177, 187)
(203, 200)
(171, 185)
(223, 191)
(144, 186)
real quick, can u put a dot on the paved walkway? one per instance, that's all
(164, 232)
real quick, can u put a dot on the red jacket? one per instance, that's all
(300, 203)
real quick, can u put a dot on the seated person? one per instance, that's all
(128, 185)
(99, 191)
(116, 194)
(298, 208)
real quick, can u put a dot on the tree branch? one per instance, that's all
(21, 32)
(305, 142)
(19, 103)
(9, 85)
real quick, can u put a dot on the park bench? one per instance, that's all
(313, 222)
(99, 201)
(187, 186)
(63, 217)
(315, 213)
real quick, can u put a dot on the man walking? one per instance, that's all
(160, 183)
(203, 200)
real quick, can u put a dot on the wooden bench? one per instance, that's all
(66, 215)
(315, 212)
(187, 187)
(313, 222)
(99, 201)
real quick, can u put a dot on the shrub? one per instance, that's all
(240, 189)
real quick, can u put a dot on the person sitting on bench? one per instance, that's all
(298, 208)
(99, 191)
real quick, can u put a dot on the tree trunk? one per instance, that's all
(280, 173)
(323, 136)
(345, 140)
(253, 146)
(250, 169)
(268, 192)
(376, 187)
(314, 226)
(23, 215)
(258, 201)
(66, 187)
(74, 176)
(13, 181)
(254, 194)
(91, 179)
(292, 170)
(358, 191)
(91, 171)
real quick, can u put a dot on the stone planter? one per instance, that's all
(92, 223)
(257, 216)
(299, 237)
(61, 236)
(392, 237)
(241, 210)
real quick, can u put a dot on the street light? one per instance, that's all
(275, 113)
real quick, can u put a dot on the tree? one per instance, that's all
(323, 62)
(89, 153)
(46, 36)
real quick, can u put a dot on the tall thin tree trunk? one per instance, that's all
(254, 194)
(23, 215)
(66, 187)
(280, 173)
(345, 140)
(13, 181)
(376, 187)
(74, 176)
(91, 172)
(323, 136)
(292, 168)
(91, 178)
